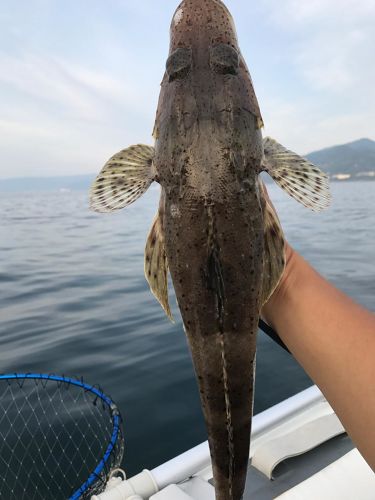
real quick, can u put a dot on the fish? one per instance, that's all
(215, 232)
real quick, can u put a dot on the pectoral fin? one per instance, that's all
(274, 250)
(297, 176)
(123, 179)
(156, 265)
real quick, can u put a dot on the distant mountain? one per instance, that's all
(355, 160)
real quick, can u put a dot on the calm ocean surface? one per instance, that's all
(73, 300)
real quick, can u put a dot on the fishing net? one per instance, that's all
(59, 438)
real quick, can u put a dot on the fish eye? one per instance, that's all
(179, 64)
(224, 59)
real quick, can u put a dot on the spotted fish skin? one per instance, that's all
(208, 155)
(215, 229)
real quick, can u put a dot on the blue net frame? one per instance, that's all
(51, 437)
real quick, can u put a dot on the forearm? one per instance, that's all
(334, 340)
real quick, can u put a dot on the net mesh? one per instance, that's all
(53, 436)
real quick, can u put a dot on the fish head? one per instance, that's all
(207, 109)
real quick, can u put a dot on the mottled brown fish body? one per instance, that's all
(207, 157)
(215, 230)
(218, 299)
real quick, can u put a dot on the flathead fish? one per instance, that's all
(215, 230)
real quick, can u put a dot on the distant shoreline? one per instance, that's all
(58, 185)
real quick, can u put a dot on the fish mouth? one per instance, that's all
(187, 6)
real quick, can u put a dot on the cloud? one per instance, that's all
(76, 85)
(61, 115)
(335, 64)
(293, 12)
(74, 88)
(74, 92)
(332, 42)
(23, 130)
(326, 46)
(45, 80)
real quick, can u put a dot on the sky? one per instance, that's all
(79, 79)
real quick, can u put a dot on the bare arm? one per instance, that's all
(333, 338)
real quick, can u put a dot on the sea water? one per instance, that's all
(74, 301)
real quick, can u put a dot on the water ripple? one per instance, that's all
(73, 300)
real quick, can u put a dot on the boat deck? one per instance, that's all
(295, 470)
(299, 449)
